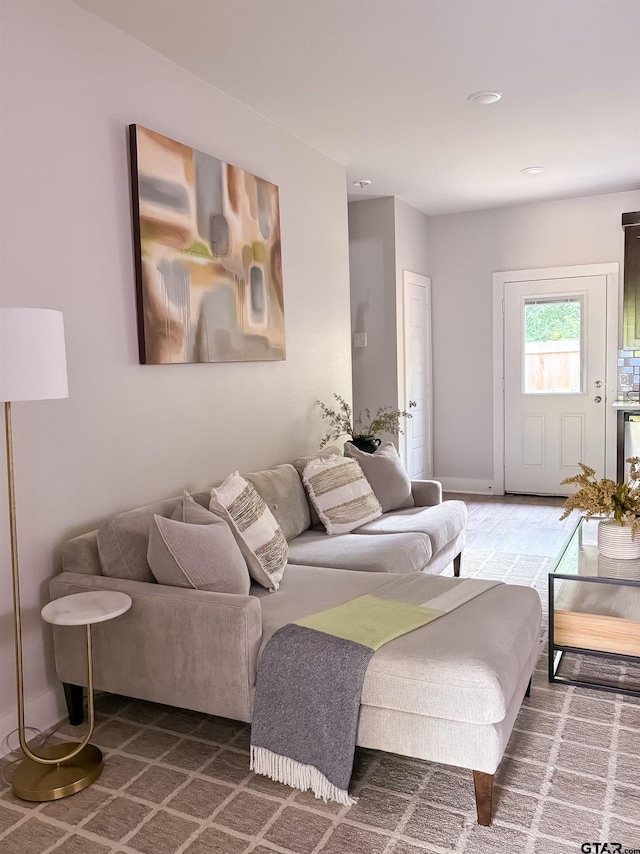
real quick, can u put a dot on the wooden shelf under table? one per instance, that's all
(597, 631)
(594, 610)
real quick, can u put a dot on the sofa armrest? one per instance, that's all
(426, 493)
(188, 648)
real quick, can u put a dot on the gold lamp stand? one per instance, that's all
(33, 366)
(60, 769)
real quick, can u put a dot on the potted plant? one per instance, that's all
(618, 503)
(364, 432)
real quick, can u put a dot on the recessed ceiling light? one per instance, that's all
(362, 183)
(532, 170)
(485, 98)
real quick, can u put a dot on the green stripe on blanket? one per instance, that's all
(370, 621)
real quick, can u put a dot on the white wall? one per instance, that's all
(386, 236)
(372, 263)
(129, 434)
(411, 228)
(411, 240)
(465, 250)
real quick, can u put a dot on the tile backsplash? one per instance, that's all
(628, 374)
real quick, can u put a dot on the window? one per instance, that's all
(553, 346)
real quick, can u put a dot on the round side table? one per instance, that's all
(63, 769)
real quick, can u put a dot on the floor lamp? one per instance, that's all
(33, 367)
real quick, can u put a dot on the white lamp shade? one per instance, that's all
(33, 364)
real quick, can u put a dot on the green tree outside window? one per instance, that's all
(552, 321)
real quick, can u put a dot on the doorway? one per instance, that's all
(555, 338)
(414, 361)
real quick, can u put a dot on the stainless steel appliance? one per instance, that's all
(631, 438)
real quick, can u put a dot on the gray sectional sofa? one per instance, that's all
(448, 692)
(427, 537)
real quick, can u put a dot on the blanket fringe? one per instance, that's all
(282, 769)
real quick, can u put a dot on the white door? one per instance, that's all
(416, 382)
(554, 381)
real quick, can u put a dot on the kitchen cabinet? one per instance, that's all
(631, 303)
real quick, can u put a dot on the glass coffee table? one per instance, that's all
(594, 611)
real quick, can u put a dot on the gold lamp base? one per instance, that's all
(35, 782)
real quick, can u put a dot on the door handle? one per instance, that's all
(597, 399)
(412, 403)
(598, 384)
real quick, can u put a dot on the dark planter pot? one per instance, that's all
(368, 444)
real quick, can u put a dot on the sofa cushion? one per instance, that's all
(123, 541)
(300, 464)
(341, 494)
(400, 554)
(284, 495)
(196, 555)
(254, 526)
(386, 474)
(80, 554)
(477, 654)
(464, 666)
(441, 523)
(308, 589)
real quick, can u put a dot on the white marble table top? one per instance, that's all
(81, 609)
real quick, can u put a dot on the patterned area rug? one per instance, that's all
(177, 782)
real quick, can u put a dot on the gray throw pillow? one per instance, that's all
(199, 556)
(190, 511)
(386, 474)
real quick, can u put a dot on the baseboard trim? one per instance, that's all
(470, 485)
(41, 712)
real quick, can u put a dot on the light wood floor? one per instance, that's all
(523, 524)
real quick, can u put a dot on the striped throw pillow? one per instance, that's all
(340, 493)
(254, 526)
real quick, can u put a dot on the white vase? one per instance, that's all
(609, 567)
(615, 541)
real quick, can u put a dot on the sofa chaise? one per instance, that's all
(448, 692)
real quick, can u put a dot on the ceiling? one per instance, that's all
(382, 85)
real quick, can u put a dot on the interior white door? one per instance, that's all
(554, 381)
(416, 388)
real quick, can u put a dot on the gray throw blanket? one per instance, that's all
(306, 708)
(311, 673)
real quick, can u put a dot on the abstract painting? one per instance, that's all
(207, 254)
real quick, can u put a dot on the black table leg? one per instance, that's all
(74, 695)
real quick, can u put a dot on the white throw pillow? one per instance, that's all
(386, 474)
(340, 493)
(259, 536)
(300, 464)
